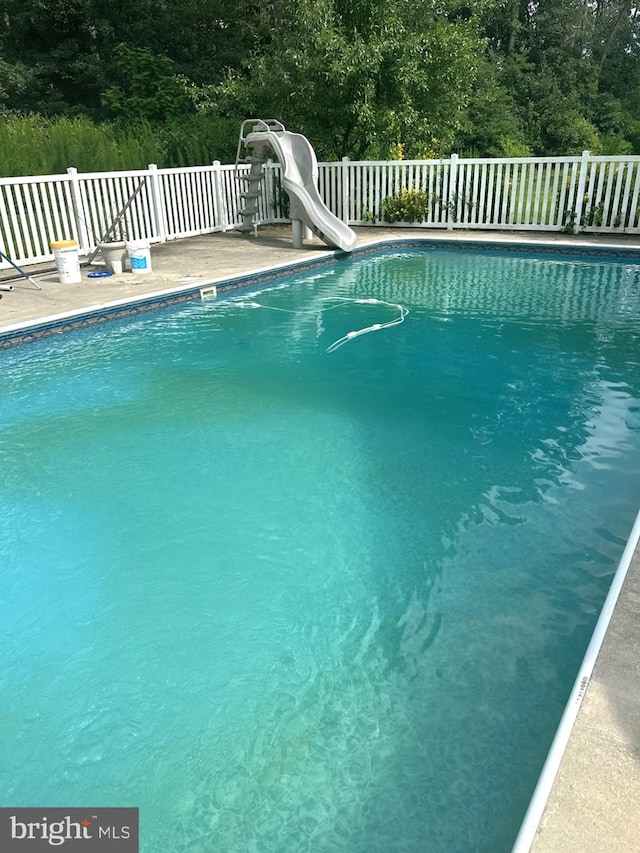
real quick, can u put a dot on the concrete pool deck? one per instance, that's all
(594, 802)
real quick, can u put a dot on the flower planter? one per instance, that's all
(114, 255)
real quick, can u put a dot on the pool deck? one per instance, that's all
(594, 805)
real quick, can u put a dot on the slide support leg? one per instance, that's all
(298, 233)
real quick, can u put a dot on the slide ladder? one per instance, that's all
(252, 180)
(258, 139)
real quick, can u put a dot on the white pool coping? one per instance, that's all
(547, 777)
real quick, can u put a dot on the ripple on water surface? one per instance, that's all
(285, 596)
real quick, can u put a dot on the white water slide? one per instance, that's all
(299, 179)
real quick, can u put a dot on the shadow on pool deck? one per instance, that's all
(593, 807)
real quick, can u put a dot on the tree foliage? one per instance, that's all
(144, 86)
(359, 77)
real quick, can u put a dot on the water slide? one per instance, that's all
(300, 181)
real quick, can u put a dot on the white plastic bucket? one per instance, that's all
(67, 261)
(139, 256)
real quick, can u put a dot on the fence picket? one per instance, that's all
(634, 213)
(54, 198)
(538, 193)
(626, 187)
(7, 236)
(40, 228)
(26, 222)
(610, 176)
(520, 175)
(616, 196)
(545, 193)
(505, 218)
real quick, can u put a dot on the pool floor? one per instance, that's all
(361, 690)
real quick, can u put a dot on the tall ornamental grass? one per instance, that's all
(36, 145)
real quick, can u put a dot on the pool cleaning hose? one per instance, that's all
(370, 300)
(375, 327)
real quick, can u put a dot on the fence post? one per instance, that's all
(452, 200)
(76, 202)
(157, 200)
(221, 207)
(582, 183)
(346, 190)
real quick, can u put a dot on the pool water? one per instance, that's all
(284, 599)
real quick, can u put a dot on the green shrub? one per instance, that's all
(406, 206)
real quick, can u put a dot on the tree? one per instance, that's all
(359, 77)
(493, 125)
(145, 86)
(55, 45)
(66, 47)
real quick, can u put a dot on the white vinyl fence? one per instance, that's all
(597, 194)
(587, 193)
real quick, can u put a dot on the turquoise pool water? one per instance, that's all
(284, 599)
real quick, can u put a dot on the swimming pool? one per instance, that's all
(289, 599)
